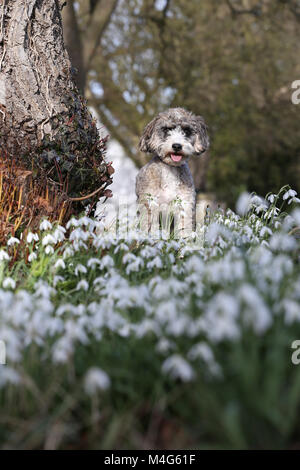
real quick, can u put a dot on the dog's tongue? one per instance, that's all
(176, 158)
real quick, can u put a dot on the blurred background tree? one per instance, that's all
(231, 61)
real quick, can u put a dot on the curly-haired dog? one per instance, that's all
(172, 137)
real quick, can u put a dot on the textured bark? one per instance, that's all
(40, 108)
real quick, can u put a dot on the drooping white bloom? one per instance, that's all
(178, 368)
(32, 237)
(49, 250)
(48, 240)
(83, 284)
(289, 194)
(60, 264)
(45, 225)
(13, 241)
(32, 257)
(96, 380)
(243, 203)
(4, 256)
(9, 283)
(80, 269)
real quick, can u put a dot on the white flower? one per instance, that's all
(4, 256)
(83, 284)
(294, 199)
(243, 203)
(32, 257)
(72, 223)
(49, 240)
(32, 237)
(13, 241)
(49, 250)
(45, 225)
(96, 380)
(282, 242)
(178, 368)
(93, 262)
(289, 193)
(271, 198)
(9, 283)
(57, 279)
(107, 262)
(68, 252)
(60, 264)
(80, 269)
(155, 263)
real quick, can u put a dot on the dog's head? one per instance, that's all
(175, 135)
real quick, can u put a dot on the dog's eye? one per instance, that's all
(188, 131)
(166, 130)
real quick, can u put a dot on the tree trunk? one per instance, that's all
(73, 43)
(41, 112)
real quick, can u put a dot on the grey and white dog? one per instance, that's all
(172, 138)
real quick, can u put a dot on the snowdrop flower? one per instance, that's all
(178, 368)
(296, 216)
(13, 241)
(49, 250)
(220, 319)
(4, 256)
(80, 269)
(282, 242)
(72, 223)
(32, 257)
(68, 252)
(164, 345)
(265, 231)
(62, 350)
(93, 262)
(60, 264)
(78, 234)
(204, 352)
(294, 199)
(96, 380)
(271, 198)
(256, 312)
(291, 310)
(32, 237)
(58, 235)
(48, 240)
(107, 262)
(289, 194)
(155, 263)
(45, 225)
(57, 279)
(83, 284)
(243, 203)
(9, 283)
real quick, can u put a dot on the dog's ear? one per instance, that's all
(144, 145)
(202, 139)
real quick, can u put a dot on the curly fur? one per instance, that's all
(167, 176)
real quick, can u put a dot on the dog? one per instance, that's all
(165, 183)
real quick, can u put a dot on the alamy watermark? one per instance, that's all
(296, 94)
(296, 354)
(2, 353)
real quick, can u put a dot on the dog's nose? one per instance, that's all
(177, 147)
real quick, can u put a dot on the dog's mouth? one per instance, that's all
(176, 157)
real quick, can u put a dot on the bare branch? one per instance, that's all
(255, 11)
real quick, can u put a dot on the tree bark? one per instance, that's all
(41, 111)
